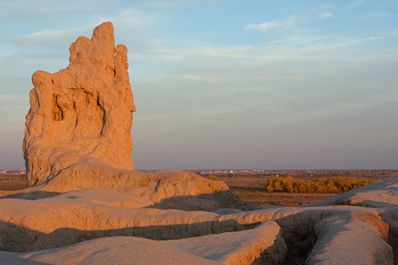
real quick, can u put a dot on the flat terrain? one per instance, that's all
(262, 197)
(248, 185)
(12, 180)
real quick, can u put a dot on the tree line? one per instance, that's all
(321, 185)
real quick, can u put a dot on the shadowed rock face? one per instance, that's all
(81, 113)
(262, 245)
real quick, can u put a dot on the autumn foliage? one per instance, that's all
(321, 185)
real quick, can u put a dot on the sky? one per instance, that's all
(226, 84)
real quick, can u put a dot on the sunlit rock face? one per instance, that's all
(81, 113)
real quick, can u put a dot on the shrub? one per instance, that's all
(212, 177)
(321, 185)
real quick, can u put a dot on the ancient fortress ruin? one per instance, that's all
(83, 112)
(86, 205)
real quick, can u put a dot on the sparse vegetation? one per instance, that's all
(321, 185)
(248, 184)
(212, 177)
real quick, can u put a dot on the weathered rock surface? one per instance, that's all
(82, 113)
(260, 245)
(351, 238)
(162, 189)
(314, 234)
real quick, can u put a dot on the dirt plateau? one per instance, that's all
(86, 205)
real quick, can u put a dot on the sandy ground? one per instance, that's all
(276, 198)
(11, 181)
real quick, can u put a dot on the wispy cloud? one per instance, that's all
(322, 12)
(273, 25)
(378, 15)
(354, 3)
(291, 48)
(125, 19)
(289, 72)
(326, 14)
(131, 18)
(49, 37)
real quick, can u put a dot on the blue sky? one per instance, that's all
(226, 84)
